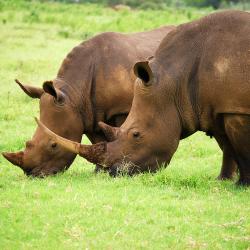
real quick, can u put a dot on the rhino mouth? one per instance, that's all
(116, 171)
(35, 173)
(123, 168)
(44, 171)
(28, 172)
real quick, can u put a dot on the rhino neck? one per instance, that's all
(180, 53)
(76, 79)
(186, 99)
(182, 73)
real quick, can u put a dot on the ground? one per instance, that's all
(181, 207)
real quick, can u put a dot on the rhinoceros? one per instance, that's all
(94, 83)
(198, 79)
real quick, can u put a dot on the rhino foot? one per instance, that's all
(225, 177)
(244, 182)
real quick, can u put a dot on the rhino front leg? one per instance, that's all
(229, 166)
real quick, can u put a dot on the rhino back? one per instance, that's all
(98, 73)
(225, 64)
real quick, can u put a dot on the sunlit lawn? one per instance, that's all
(181, 207)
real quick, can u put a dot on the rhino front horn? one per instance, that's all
(14, 158)
(93, 153)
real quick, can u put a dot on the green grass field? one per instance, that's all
(181, 207)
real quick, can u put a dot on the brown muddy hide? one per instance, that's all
(149, 136)
(42, 156)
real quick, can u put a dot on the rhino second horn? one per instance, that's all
(109, 131)
(14, 158)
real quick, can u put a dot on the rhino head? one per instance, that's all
(149, 136)
(42, 155)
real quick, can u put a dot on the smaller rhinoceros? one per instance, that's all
(199, 79)
(95, 83)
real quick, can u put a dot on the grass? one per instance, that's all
(180, 207)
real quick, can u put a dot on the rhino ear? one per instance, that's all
(144, 72)
(34, 92)
(49, 88)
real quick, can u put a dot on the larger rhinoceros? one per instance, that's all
(199, 79)
(94, 83)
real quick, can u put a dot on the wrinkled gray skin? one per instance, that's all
(94, 83)
(199, 79)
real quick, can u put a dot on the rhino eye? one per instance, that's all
(53, 145)
(136, 134)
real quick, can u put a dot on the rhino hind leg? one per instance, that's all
(229, 166)
(237, 128)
